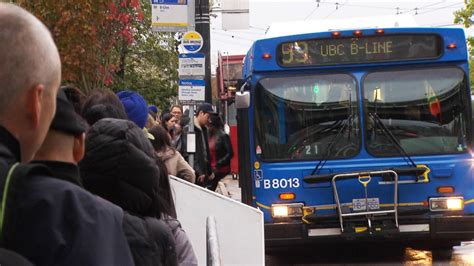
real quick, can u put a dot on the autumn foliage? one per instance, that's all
(90, 35)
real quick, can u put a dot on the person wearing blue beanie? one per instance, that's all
(153, 108)
(135, 106)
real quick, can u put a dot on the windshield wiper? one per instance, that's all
(346, 123)
(391, 137)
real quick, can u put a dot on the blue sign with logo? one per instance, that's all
(192, 41)
(196, 55)
(192, 83)
(191, 91)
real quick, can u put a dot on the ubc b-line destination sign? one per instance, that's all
(359, 50)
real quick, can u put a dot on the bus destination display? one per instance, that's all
(359, 50)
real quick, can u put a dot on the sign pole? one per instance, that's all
(191, 132)
(203, 27)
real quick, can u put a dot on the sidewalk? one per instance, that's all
(230, 187)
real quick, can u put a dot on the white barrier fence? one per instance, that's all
(239, 226)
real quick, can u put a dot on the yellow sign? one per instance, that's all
(192, 41)
(256, 165)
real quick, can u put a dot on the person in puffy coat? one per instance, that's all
(120, 166)
(175, 163)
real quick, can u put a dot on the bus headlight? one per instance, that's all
(447, 204)
(287, 210)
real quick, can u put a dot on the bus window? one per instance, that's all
(425, 109)
(297, 117)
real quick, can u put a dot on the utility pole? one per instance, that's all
(203, 27)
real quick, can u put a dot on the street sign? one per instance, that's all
(192, 42)
(191, 64)
(191, 91)
(171, 15)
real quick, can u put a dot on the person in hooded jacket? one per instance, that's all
(135, 107)
(175, 163)
(120, 166)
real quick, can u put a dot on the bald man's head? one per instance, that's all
(28, 55)
(30, 75)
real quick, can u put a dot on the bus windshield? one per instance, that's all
(426, 110)
(298, 117)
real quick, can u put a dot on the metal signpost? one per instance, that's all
(192, 86)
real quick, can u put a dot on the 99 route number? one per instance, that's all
(281, 183)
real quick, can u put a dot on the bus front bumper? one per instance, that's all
(447, 228)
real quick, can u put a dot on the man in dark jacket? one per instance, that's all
(202, 159)
(47, 220)
(64, 144)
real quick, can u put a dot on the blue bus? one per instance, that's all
(359, 135)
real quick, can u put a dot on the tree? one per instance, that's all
(85, 32)
(150, 64)
(464, 17)
(109, 43)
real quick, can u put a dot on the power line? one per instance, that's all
(311, 12)
(398, 10)
(443, 25)
(232, 36)
(423, 7)
(253, 27)
(249, 32)
(362, 6)
(374, 7)
(238, 32)
(444, 7)
(227, 42)
(337, 8)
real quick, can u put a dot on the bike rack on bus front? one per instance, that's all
(365, 178)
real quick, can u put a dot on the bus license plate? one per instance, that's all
(360, 204)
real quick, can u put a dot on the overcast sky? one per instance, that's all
(263, 13)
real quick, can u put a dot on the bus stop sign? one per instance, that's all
(191, 91)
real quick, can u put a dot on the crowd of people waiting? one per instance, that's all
(84, 180)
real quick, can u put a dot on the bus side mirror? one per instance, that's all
(242, 99)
